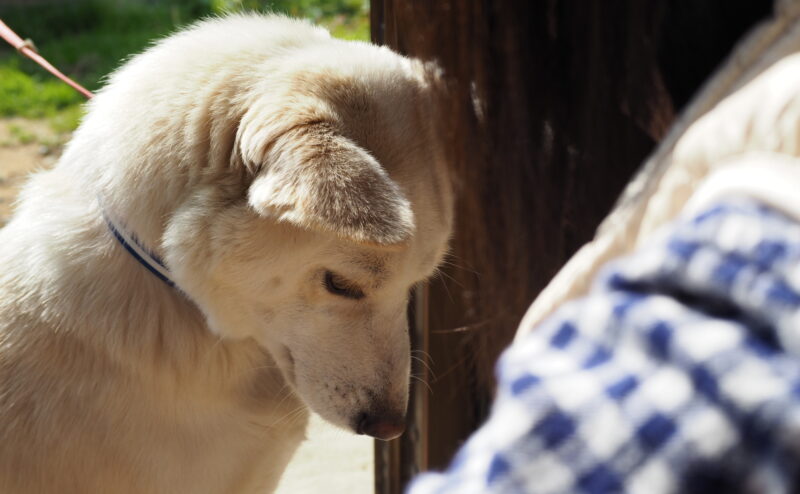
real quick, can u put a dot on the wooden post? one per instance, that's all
(554, 104)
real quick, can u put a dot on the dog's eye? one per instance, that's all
(341, 287)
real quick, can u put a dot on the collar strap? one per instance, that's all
(135, 248)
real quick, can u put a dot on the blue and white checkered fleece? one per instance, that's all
(678, 373)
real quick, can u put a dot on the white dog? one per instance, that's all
(230, 236)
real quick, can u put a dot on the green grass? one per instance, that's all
(27, 96)
(87, 39)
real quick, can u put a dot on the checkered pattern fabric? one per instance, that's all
(678, 373)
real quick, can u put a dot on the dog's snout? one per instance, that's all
(379, 426)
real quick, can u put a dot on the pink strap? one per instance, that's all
(26, 48)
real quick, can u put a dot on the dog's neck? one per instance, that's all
(130, 241)
(86, 284)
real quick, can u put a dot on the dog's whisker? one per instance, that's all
(425, 364)
(424, 354)
(450, 260)
(284, 394)
(289, 417)
(446, 276)
(418, 379)
(299, 413)
(446, 288)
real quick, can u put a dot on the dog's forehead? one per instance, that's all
(374, 263)
(408, 264)
(378, 104)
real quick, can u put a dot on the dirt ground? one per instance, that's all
(25, 146)
(330, 461)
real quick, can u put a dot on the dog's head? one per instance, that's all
(346, 206)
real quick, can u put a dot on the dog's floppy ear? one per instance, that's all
(315, 178)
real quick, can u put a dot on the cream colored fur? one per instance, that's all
(253, 154)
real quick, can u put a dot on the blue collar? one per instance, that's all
(134, 246)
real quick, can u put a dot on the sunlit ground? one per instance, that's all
(332, 461)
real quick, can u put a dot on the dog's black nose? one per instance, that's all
(380, 427)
